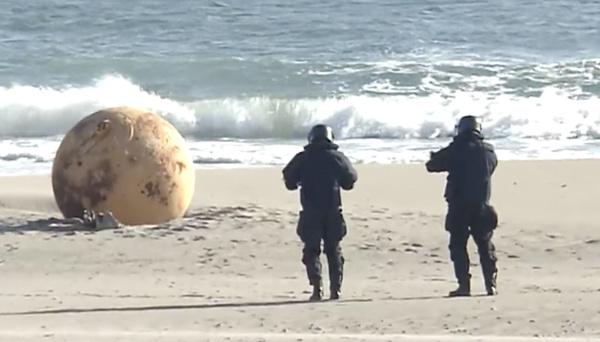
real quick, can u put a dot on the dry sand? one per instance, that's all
(231, 271)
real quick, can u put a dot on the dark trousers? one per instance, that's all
(328, 226)
(463, 221)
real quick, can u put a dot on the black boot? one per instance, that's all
(490, 284)
(335, 292)
(335, 287)
(317, 294)
(463, 290)
(335, 259)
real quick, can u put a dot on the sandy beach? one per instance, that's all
(230, 270)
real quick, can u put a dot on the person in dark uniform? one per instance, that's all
(470, 163)
(320, 171)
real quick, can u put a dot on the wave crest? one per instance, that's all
(555, 114)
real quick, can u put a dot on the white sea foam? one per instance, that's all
(558, 123)
(555, 114)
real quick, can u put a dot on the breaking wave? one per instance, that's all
(554, 113)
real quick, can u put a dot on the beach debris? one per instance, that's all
(100, 220)
(91, 221)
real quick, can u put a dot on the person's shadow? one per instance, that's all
(218, 305)
(179, 307)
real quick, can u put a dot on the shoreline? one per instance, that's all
(242, 166)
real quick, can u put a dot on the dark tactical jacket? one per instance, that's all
(320, 170)
(470, 163)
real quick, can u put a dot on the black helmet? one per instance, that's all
(467, 124)
(320, 133)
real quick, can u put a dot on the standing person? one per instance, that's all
(470, 163)
(320, 171)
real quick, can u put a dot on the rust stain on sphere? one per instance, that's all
(125, 160)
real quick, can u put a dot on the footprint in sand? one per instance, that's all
(10, 248)
(366, 246)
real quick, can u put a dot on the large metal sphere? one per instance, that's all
(127, 161)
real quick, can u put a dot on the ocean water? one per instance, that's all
(244, 80)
